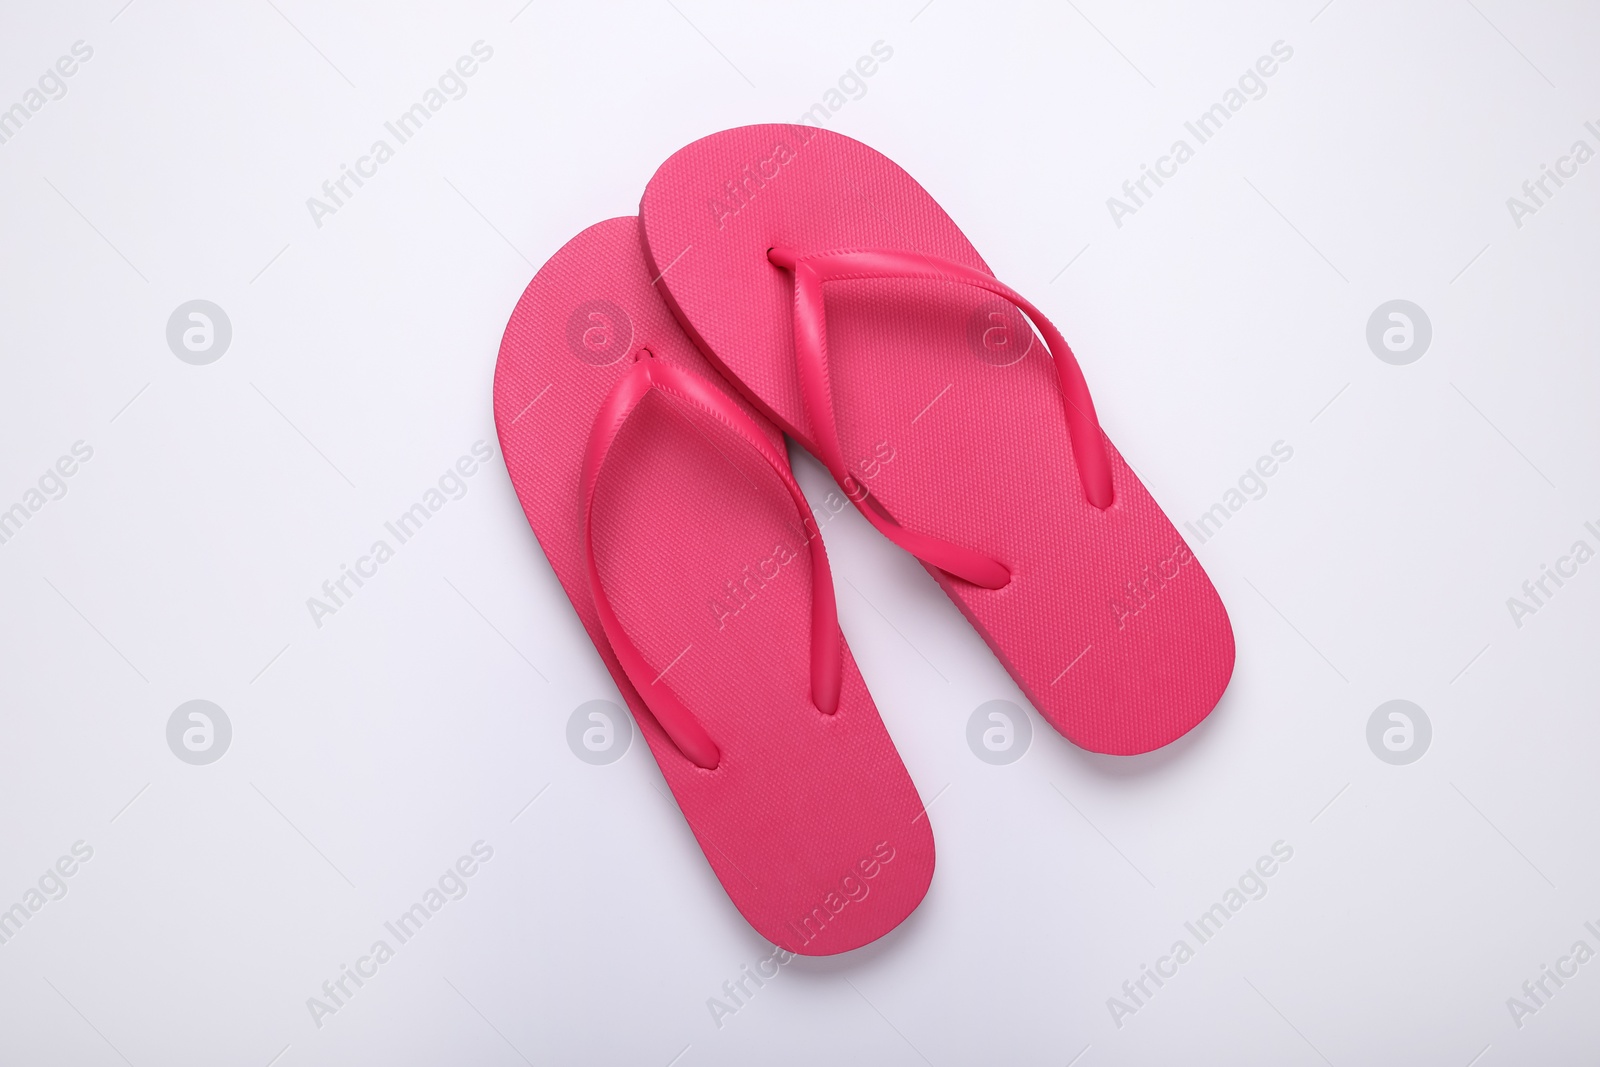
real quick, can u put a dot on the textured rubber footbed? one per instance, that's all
(949, 413)
(810, 821)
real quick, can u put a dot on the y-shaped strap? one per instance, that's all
(649, 373)
(811, 349)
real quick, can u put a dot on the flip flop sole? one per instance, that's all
(810, 821)
(949, 413)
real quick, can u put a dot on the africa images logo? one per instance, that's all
(199, 332)
(452, 884)
(599, 332)
(999, 732)
(199, 732)
(451, 85)
(853, 887)
(599, 732)
(1399, 732)
(1251, 85)
(1251, 885)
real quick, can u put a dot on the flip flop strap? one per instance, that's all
(680, 724)
(811, 346)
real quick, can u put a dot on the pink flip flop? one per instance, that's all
(669, 513)
(849, 308)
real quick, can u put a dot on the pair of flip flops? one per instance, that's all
(788, 280)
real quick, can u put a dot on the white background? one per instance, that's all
(368, 754)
